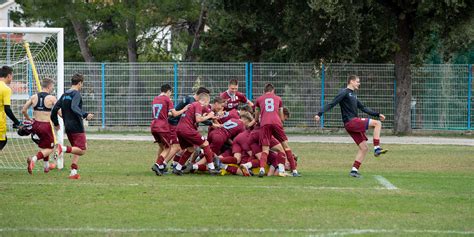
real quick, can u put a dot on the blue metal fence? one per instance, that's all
(121, 92)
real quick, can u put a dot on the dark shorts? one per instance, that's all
(269, 130)
(356, 127)
(189, 138)
(173, 136)
(217, 139)
(45, 133)
(164, 138)
(77, 140)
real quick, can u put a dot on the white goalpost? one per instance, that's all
(44, 59)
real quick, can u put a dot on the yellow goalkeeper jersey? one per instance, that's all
(5, 99)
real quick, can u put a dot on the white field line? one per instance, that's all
(323, 232)
(384, 182)
(308, 187)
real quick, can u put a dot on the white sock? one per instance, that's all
(262, 169)
(211, 166)
(179, 166)
(161, 166)
(195, 167)
(46, 164)
(34, 159)
(281, 168)
(73, 172)
(355, 169)
(295, 171)
(248, 165)
(376, 147)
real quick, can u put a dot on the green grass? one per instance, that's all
(119, 195)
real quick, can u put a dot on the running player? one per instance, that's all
(42, 104)
(70, 105)
(234, 97)
(6, 77)
(354, 125)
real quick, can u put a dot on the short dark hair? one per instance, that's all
(351, 78)
(47, 82)
(218, 99)
(165, 88)
(76, 78)
(201, 90)
(268, 87)
(234, 82)
(5, 71)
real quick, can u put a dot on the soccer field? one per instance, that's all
(414, 190)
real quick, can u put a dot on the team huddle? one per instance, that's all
(243, 138)
(238, 139)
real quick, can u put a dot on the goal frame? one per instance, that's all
(60, 66)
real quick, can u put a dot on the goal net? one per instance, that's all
(46, 60)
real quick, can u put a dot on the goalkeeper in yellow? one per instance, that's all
(6, 77)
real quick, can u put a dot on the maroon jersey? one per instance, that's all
(241, 143)
(161, 106)
(232, 114)
(233, 100)
(269, 105)
(188, 119)
(233, 127)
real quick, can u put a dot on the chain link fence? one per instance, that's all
(120, 94)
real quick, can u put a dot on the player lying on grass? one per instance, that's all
(355, 125)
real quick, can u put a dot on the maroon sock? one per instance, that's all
(229, 160)
(291, 159)
(68, 149)
(177, 156)
(202, 167)
(160, 160)
(184, 157)
(39, 156)
(376, 142)
(208, 154)
(263, 159)
(74, 166)
(232, 169)
(356, 164)
(46, 158)
(255, 163)
(281, 158)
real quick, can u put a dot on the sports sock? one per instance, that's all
(291, 159)
(356, 165)
(160, 160)
(376, 142)
(232, 169)
(208, 154)
(229, 160)
(184, 157)
(263, 159)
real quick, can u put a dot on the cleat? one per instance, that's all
(261, 173)
(379, 151)
(187, 169)
(214, 172)
(296, 174)
(177, 172)
(31, 165)
(245, 170)
(355, 174)
(157, 170)
(164, 170)
(217, 162)
(76, 176)
(223, 172)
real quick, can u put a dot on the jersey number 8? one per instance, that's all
(269, 105)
